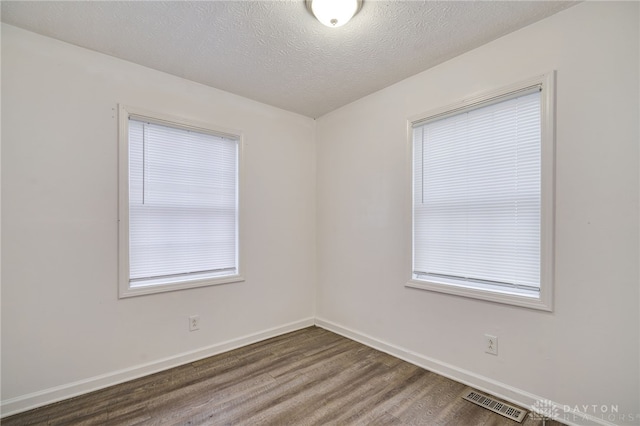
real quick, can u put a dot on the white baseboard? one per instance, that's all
(484, 384)
(59, 393)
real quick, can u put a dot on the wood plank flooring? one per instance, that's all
(308, 377)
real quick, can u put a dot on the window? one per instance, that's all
(178, 204)
(483, 197)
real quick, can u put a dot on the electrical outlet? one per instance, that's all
(194, 322)
(491, 344)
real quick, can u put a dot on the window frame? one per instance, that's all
(544, 301)
(124, 114)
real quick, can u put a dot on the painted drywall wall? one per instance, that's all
(586, 350)
(62, 322)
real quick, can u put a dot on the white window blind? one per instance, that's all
(183, 203)
(477, 195)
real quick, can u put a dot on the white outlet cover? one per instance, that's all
(194, 323)
(491, 344)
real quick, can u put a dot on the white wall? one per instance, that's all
(587, 350)
(61, 319)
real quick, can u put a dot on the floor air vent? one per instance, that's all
(509, 411)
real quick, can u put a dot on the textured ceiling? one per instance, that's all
(274, 51)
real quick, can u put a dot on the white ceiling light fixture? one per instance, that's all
(334, 13)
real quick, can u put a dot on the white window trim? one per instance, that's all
(124, 113)
(545, 300)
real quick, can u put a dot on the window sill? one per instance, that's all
(526, 299)
(127, 290)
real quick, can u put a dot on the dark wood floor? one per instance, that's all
(308, 377)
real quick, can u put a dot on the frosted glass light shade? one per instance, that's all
(334, 13)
